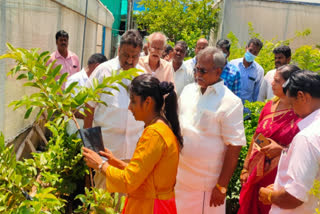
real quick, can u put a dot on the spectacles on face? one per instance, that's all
(201, 70)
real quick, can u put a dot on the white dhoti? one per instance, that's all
(195, 202)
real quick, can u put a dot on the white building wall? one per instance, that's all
(271, 18)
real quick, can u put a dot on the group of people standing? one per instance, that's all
(173, 137)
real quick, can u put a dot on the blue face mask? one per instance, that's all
(225, 55)
(249, 57)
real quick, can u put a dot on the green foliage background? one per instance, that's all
(306, 56)
(186, 20)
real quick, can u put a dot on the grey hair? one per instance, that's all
(155, 34)
(218, 58)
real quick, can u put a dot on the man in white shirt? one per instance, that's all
(120, 131)
(299, 166)
(153, 63)
(81, 78)
(211, 118)
(202, 43)
(282, 56)
(182, 74)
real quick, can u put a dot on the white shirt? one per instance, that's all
(209, 123)
(190, 63)
(182, 77)
(299, 166)
(265, 91)
(120, 131)
(81, 77)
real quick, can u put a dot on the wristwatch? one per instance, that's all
(101, 165)
(223, 190)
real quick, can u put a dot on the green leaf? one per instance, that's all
(22, 76)
(31, 84)
(56, 71)
(30, 76)
(27, 114)
(43, 54)
(71, 86)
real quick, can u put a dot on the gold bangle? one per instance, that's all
(269, 196)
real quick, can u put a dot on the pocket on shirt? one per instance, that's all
(250, 83)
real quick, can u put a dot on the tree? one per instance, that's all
(186, 20)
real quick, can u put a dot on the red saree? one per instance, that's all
(280, 126)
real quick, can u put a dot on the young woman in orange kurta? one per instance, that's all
(150, 176)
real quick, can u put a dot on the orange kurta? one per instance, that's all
(151, 173)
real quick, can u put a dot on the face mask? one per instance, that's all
(249, 57)
(225, 55)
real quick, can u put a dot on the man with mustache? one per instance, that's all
(153, 63)
(282, 56)
(183, 75)
(251, 73)
(211, 118)
(68, 60)
(120, 131)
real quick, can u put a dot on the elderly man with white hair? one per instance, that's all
(153, 63)
(211, 118)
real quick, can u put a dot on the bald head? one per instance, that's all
(202, 43)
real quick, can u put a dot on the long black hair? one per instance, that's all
(146, 85)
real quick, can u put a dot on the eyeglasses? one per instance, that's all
(201, 70)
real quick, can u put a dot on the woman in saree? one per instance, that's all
(278, 123)
(149, 178)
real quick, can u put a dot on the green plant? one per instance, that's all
(60, 167)
(186, 20)
(307, 57)
(101, 202)
(266, 56)
(250, 126)
(17, 179)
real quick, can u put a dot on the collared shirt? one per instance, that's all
(182, 77)
(80, 77)
(299, 166)
(266, 88)
(209, 123)
(120, 131)
(191, 63)
(231, 77)
(251, 78)
(164, 72)
(70, 64)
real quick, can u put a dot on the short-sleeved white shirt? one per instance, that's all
(209, 123)
(182, 77)
(265, 91)
(299, 166)
(80, 77)
(120, 131)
